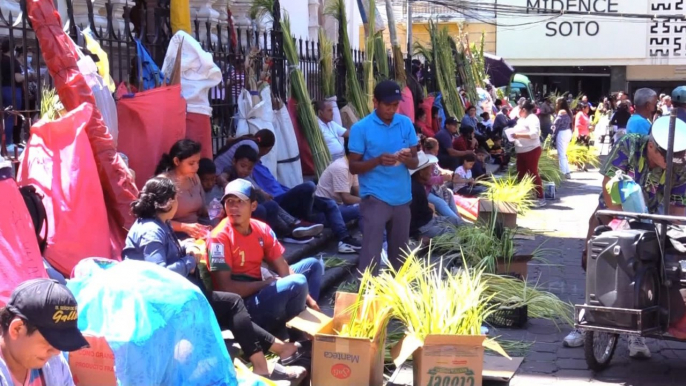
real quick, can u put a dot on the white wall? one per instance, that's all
(299, 12)
(354, 23)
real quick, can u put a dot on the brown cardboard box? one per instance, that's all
(506, 212)
(443, 359)
(518, 265)
(339, 361)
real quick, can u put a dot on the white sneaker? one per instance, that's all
(638, 348)
(574, 339)
(384, 259)
(540, 203)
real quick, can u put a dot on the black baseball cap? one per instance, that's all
(387, 91)
(451, 121)
(52, 308)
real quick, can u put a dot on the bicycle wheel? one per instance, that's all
(599, 347)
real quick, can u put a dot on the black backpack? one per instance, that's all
(34, 204)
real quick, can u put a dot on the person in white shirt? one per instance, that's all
(333, 133)
(527, 136)
(666, 105)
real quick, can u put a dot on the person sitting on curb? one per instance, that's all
(262, 142)
(440, 196)
(39, 321)
(464, 183)
(424, 224)
(449, 157)
(151, 239)
(287, 227)
(333, 133)
(237, 248)
(339, 186)
(301, 202)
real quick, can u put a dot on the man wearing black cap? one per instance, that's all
(383, 147)
(39, 321)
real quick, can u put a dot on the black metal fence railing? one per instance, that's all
(121, 28)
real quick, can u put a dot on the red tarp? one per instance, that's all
(199, 129)
(306, 159)
(406, 106)
(145, 136)
(61, 57)
(20, 257)
(59, 162)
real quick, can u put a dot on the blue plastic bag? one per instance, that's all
(626, 192)
(159, 326)
(438, 102)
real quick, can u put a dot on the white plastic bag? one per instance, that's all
(103, 98)
(255, 117)
(288, 168)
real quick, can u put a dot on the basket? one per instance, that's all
(509, 317)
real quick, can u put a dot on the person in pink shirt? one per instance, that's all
(582, 124)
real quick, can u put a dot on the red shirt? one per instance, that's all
(229, 250)
(582, 123)
(462, 144)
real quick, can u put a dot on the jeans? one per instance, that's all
(11, 97)
(438, 226)
(271, 213)
(298, 200)
(443, 207)
(564, 137)
(335, 216)
(377, 217)
(285, 298)
(471, 191)
(231, 313)
(527, 163)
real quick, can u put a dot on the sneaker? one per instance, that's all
(293, 239)
(540, 203)
(638, 348)
(349, 245)
(568, 176)
(384, 259)
(574, 339)
(306, 229)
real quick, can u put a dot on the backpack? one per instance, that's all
(34, 204)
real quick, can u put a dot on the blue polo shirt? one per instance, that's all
(371, 137)
(638, 125)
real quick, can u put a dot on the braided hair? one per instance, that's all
(155, 197)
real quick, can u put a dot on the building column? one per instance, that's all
(222, 6)
(202, 11)
(313, 22)
(241, 19)
(100, 15)
(618, 79)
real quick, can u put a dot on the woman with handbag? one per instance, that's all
(152, 239)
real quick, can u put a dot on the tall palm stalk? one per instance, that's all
(398, 60)
(442, 47)
(368, 65)
(326, 63)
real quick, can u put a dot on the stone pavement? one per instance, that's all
(563, 225)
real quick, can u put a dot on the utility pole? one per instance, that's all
(409, 34)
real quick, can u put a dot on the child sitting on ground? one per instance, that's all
(479, 169)
(498, 154)
(463, 182)
(207, 172)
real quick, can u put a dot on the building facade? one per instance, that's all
(594, 46)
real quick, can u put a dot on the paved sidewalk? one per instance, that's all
(564, 224)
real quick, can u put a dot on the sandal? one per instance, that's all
(287, 373)
(294, 357)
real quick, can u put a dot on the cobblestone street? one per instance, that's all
(564, 224)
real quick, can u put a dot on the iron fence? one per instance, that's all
(121, 28)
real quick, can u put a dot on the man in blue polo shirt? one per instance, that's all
(645, 103)
(383, 147)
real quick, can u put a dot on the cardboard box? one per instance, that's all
(506, 212)
(339, 361)
(443, 359)
(93, 365)
(518, 265)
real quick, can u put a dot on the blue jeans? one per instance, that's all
(335, 216)
(442, 207)
(285, 298)
(298, 200)
(11, 97)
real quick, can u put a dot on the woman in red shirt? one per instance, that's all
(582, 124)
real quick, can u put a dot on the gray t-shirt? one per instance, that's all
(225, 160)
(56, 372)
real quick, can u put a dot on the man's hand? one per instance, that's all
(405, 155)
(196, 231)
(312, 304)
(387, 159)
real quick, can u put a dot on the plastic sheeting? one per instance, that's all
(255, 117)
(20, 257)
(180, 15)
(467, 207)
(406, 106)
(103, 96)
(60, 56)
(198, 71)
(103, 63)
(288, 169)
(157, 339)
(59, 162)
(306, 160)
(150, 122)
(199, 129)
(336, 111)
